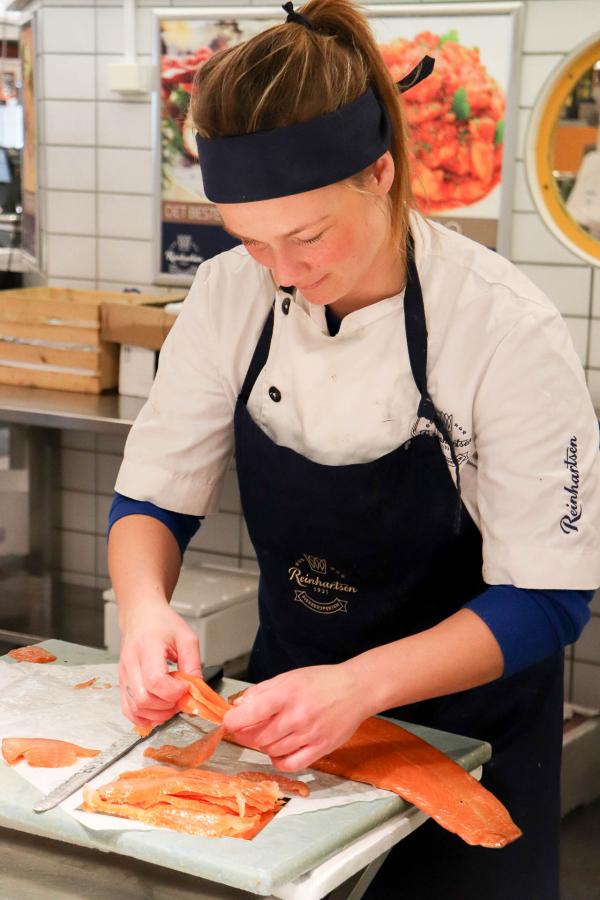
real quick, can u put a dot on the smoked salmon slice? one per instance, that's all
(195, 801)
(149, 787)
(286, 785)
(391, 757)
(191, 755)
(200, 700)
(43, 752)
(206, 823)
(33, 654)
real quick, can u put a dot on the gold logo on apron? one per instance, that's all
(311, 572)
(326, 609)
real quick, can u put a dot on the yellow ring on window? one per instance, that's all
(540, 151)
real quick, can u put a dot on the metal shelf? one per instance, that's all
(100, 413)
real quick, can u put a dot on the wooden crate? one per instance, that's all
(50, 337)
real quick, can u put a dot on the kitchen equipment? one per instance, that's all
(220, 604)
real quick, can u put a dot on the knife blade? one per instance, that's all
(105, 759)
(87, 772)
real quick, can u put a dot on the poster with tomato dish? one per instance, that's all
(457, 118)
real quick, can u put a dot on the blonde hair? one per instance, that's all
(289, 74)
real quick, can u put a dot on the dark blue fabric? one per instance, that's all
(528, 624)
(295, 158)
(531, 624)
(357, 556)
(333, 321)
(182, 526)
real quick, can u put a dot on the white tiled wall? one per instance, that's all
(89, 465)
(97, 193)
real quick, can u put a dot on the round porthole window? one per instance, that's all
(563, 152)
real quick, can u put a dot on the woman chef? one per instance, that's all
(416, 449)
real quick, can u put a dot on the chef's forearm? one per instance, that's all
(144, 562)
(459, 653)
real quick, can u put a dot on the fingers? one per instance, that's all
(256, 708)
(284, 746)
(147, 691)
(188, 653)
(303, 758)
(131, 714)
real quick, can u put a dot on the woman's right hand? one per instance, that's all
(153, 635)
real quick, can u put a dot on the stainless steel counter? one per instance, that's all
(35, 418)
(101, 413)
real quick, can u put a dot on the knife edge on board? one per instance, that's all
(106, 758)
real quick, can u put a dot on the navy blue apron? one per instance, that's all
(355, 556)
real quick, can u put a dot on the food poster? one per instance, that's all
(189, 229)
(456, 117)
(456, 120)
(29, 167)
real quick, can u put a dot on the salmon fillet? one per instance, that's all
(191, 755)
(43, 752)
(391, 757)
(33, 653)
(194, 801)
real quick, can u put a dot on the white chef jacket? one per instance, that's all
(501, 369)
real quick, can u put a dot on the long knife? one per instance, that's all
(119, 748)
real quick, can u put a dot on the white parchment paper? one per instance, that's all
(41, 701)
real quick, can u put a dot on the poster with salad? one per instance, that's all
(457, 118)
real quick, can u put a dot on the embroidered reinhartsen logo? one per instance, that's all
(568, 523)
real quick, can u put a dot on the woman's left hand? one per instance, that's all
(301, 715)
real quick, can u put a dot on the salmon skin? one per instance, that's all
(33, 654)
(391, 757)
(194, 801)
(43, 752)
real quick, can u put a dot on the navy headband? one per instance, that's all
(301, 157)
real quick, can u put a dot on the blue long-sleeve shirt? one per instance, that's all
(528, 624)
(182, 526)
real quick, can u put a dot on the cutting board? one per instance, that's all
(283, 851)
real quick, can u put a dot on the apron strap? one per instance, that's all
(416, 339)
(259, 358)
